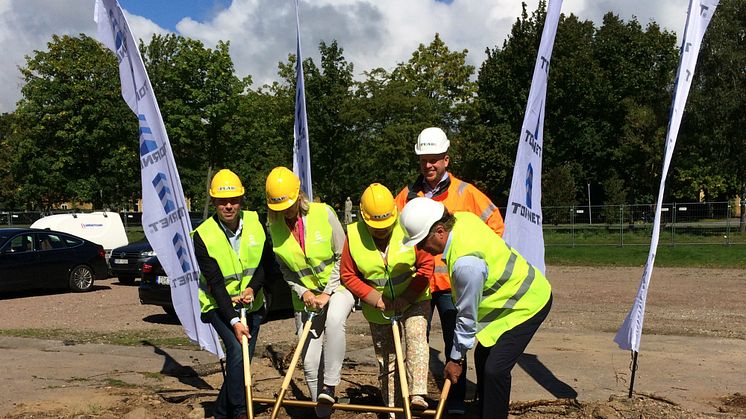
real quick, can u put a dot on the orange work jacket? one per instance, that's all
(456, 195)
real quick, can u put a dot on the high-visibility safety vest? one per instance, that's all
(237, 269)
(459, 196)
(514, 290)
(395, 274)
(314, 267)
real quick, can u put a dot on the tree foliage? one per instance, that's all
(72, 138)
(198, 93)
(715, 122)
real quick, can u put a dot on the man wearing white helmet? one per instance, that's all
(456, 195)
(501, 299)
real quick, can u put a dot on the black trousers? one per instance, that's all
(495, 363)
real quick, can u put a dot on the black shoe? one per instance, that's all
(327, 395)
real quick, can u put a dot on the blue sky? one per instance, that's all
(168, 13)
(373, 33)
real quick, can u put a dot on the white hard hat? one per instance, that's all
(417, 217)
(431, 141)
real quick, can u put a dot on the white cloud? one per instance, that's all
(143, 28)
(28, 25)
(373, 33)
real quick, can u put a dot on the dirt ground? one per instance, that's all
(691, 363)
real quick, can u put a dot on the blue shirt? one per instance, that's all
(467, 281)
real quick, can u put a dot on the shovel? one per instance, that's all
(400, 366)
(443, 397)
(246, 368)
(293, 363)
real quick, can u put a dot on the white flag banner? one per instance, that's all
(524, 219)
(165, 218)
(700, 12)
(301, 149)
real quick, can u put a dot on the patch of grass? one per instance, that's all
(154, 375)
(702, 256)
(124, 338)
(95, 409)
(114, 382)
(613, 235)
(135, 233)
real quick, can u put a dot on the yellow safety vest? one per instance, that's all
(514, 290)
(314, 267)
(398, 270)
(237, 269)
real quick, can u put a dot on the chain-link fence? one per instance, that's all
(628, 225)
(613, 225)
(26, 218)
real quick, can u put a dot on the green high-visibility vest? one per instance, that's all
(391, 277)
(514, 290)
(237, 269)
(314, 267)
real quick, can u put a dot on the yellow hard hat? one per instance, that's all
(226, 184)
(377, 206)
(282, 189)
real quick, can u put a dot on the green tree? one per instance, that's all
(615, 195)
(715, 126)
(262, 138)
(198, 94)
(491, 137)
(328, 92)
(639, 66)
(443, 78)
(73, 137)
(559, 190)
(7, 194)
(606, 101)
(388, 119)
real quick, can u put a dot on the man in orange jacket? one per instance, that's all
(437, 183)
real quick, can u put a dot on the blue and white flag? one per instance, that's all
(700, 12)
(165, 218)
(524, 219)
(301, 149)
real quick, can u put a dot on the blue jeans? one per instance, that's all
(447, 311)
(232, 397)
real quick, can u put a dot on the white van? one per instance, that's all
(104, 228)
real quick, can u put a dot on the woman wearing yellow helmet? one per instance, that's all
(390, 279)
(307, 238)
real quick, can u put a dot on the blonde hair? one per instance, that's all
(302, 202)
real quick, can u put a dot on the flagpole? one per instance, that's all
(634, 371)
(301, 148)
(165, 217)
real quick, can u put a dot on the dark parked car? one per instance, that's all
(155, 289)
(33, 258)
(126, 262)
